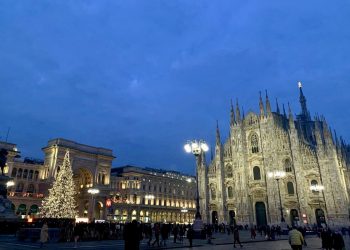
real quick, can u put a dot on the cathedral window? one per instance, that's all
(256, 173)
(254, 143)
(290, 188)
(213, 193)
(229, 172)
(288, 166)
(314, 183)
(230, 192)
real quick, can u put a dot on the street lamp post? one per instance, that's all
(149, 197)
(92, 191)
(196, 148)
(277, 175)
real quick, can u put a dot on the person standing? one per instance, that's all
(326, 237)
(296, 239)
(236, 237)
(44, 234)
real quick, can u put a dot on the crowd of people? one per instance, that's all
(158, 234)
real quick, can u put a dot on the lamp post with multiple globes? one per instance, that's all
(277, 175)
(197, 147)
(92, 191)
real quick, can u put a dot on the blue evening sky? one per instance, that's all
(142, 77)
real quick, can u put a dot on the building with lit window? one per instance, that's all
(123, 194)
(151, 195)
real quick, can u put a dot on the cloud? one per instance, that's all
(128, 74)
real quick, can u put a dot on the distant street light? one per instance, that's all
(277, 175)
(10, 184)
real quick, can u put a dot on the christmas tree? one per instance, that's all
(60, 203)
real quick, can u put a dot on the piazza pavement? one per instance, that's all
(221, 242)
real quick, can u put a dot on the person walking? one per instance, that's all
(236, 237)
(77, 234)
(252, 233)
(338, 241)
(209, 233)
(296, 239)
(190, 235)
(149, 233)
(44, 234)
(156, 234)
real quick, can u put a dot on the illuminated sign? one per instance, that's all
(108, 203)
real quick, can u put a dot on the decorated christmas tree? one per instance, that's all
(60, 203)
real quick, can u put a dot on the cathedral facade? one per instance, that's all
(312, 184)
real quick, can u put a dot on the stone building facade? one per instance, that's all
(236, 184)
(152, 195)
(122, 191)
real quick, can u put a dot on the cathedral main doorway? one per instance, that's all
(232, 215)
(260, 211)
(320, 218)
(214, 217)
(294, 217)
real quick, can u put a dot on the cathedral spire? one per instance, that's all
(304, 112)
(238, 112)
(290, 115)
(336, 138)
(233, 118)
(284, 111)
(261, 106)
(218, 140)
(268, 105)
(278, 108)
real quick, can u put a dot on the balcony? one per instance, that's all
(25, 195)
